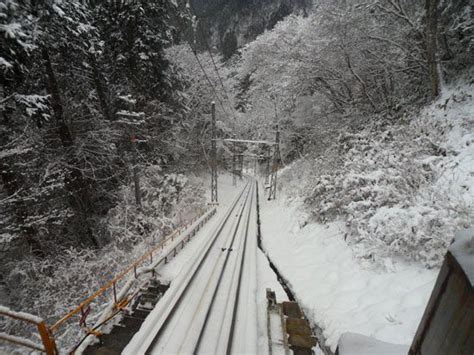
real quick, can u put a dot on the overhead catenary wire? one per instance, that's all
(220, 80)
(207, 78)
(226, 96)
(217, 72)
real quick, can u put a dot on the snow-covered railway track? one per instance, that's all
(198, 314)
(217, 332)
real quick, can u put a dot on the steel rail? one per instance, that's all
(216, 288)
(201, 262)
(239, 283)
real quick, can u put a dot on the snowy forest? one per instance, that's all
(105, 130)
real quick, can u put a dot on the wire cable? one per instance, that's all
(191, 4)
(207, 78)
(220, 80)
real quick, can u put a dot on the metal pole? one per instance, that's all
(241, 165)
(136, 177)
(213, 155)
(275, 166)
(234, 164)
(267, 169)
(48, 339)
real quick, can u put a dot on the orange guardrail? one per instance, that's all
(49, 345)
(47, 333)
(112, 283)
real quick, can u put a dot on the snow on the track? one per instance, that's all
(251, 317)
(227, 193)
(336, 291)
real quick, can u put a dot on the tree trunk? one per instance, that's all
(12, 185)
(431, 45)
(100, 89)
(74, 180)
(56, 104)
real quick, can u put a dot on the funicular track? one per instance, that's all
(199, 314)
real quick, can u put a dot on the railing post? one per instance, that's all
(115, 293)
(48, 339)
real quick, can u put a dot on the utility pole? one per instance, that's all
(234, 164)
(267, 169)
(241, 165)
(136, 177)
(275, 166)
(213, 155)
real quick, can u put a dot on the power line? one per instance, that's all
(217, 72)
(220, 80)
(213, 62)
(207, 78)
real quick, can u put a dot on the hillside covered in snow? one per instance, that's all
(106, 147)
(361, 244)
(401, 190)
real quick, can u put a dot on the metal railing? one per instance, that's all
(121, 298)
(49, 345)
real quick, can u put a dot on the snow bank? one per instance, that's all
(339, 292)
(360, 232)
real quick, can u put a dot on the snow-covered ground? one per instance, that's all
(343, 289)
(336, 292)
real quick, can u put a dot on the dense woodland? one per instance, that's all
(97, 94)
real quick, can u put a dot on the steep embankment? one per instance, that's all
(360, 241)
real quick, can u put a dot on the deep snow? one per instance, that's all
(345, 290)
(336, 291)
